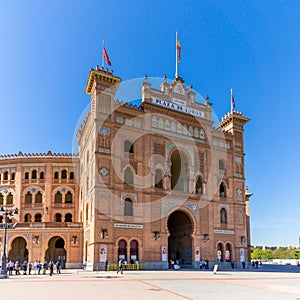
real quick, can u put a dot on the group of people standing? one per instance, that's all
(36, 267)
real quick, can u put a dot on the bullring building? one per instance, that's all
(153, 181)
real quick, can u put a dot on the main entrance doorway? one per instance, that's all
(180, 242)
(56, 251)
(18, 250)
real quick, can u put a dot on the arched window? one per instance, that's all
(34, 174)
(223, 216)
(221, 165)
(68, 218)
(134, 255)
(57, 217)
(13, 176)
(42, 175)
(228, 253)
(27, 218)
(38, 197)
(71, 175)
(128, 147)
(220, 252)
(58, 197)
(55, 175)
(158, 179)
(199, 185)
(1, 219)
(28, 198)
(128, 207)
(122, 250)
(128, 176)
(68, 197)
(222, 190)
(5, 175)
(26, 176)
(38, 218)
(9, 199)
(179, 172)
(1, 199)
(63, 174)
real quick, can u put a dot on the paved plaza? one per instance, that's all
(281, 283)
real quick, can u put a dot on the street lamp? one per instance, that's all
(8, 214)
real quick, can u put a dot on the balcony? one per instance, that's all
(49, 225)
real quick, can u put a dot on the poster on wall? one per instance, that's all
(197, 253)
(242, 254)
(164, 254)
(103, 253)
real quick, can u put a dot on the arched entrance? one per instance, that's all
(56, 251)
(180, 242)
(18, 250)
(122, 250)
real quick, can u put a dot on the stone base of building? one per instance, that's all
(159, 265)
(74, 266)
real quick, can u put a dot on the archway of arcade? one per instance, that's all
(180, 239)
(18, 250)
(56, 251)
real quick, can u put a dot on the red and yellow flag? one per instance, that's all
(105, 55)
(178, 50)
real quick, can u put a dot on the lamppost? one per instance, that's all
(7, 213)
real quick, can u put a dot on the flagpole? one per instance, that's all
(176, 56)
(102, 54)
(231, 104)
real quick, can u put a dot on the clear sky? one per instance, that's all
(48, 47)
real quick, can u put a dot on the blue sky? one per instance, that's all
(48, 47)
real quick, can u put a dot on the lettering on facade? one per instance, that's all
(223, 231)
(178, 107)
(134, 226)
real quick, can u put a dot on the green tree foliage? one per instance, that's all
(280, 252)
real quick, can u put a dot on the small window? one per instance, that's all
(199, 185)
(58, 197)
(158, 179)
(222, 190)
(34, 174)
(26, 175)
(128, 207)
(221, 165)
(1, 199)
(38, 218)
(71, 175)
(128, 176)
(13, 176)
(63, 174)
(5, 176)
(28, 198)
(68, 218)
(38, 197)
(68, 197)
(9, 199)
(57, 217)
(27, 218)
(42, 175)
(128, 147)
(223, 216)
(55, 175)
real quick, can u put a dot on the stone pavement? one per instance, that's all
(143, 285)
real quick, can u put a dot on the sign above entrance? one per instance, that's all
(224, 231)
(135, 226)
(178, 107)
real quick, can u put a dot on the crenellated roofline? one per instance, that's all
(48, 155)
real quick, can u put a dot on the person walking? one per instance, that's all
(51, 266)
(120, 266)
(58, 267)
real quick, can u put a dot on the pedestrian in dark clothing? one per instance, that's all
(120, 266)
(51, 265)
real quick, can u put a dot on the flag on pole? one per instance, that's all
(105, 55)
(232, 100)
(178, 49)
